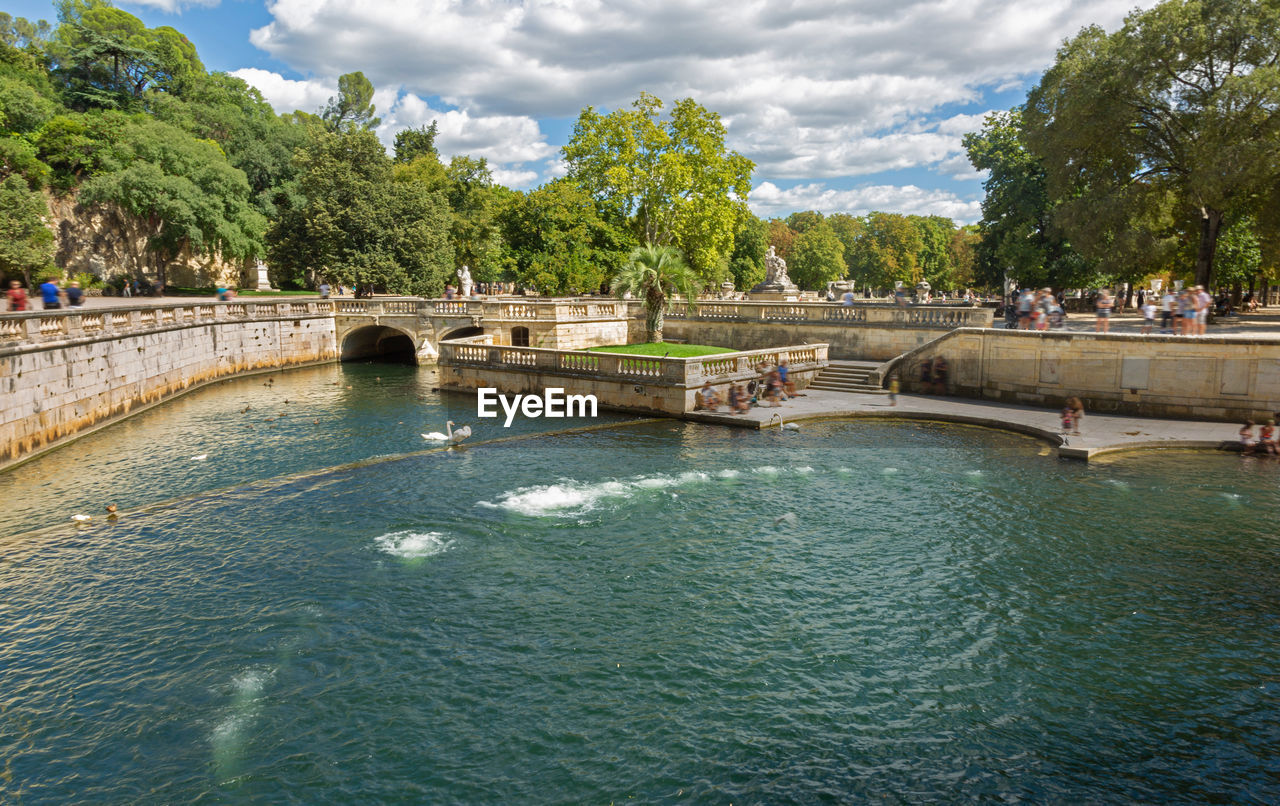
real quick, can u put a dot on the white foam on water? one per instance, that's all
(844, 470)
(412, 545)
(1232, 496)
(888, 470)
(729, 474)
(804, 470)
(571, 498)
(768, 470)
(974, 473)
(227, 737)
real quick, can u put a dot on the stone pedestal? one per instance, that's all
(263, 283)
(774, 295)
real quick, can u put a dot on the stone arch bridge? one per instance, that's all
(412, 328)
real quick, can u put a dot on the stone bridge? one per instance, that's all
(413, 328)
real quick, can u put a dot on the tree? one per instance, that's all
(888, 251)
(802, 222)
(673, 180)
(817, 258)
(654, 274)
(1177, 107)
(781, 238)
(559, 242)
(1018, 236)
(750, 243)
(848, 229)
(26, 245)
(352, 108)
(349, 220)
(414, 143)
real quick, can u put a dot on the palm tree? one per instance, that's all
(653, 274)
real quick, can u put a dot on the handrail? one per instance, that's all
(44, 327)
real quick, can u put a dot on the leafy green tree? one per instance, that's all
(184, 187)
(750, 244)
(352, 108)
(817, 257)
(1177, 107)
(781, 237)
(888, 252)
(654, 274)
(802, 222)
(559, 242)
(414, 143)
(1019, 237)
(26, 245)
(476, 239)
(935, 252)
(963, 248)
(848, 229)
(19, 32)
(673, 179)
(349, 220)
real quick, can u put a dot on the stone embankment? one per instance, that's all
(63, 374)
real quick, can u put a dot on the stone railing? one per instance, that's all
(62, 325)
(818, 313)
(679, 372)
(494, 310)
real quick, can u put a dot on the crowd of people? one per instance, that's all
(52, 296)
(1265, 441)
(771, 387)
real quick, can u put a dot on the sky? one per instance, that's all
(844, 105)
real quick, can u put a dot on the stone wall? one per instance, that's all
(51, 391)
(1222, 378)
(105, 241)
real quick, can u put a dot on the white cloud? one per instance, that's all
(809, 90)
(171, 6)
(286, 95)
(768, 200)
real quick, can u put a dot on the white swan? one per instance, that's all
(453, 436)
(783, 425)
(81, 518)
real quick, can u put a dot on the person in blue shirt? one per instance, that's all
(51, 294)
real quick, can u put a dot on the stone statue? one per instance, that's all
(464, 281)
(775, 274)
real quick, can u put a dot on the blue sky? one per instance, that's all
(844, 105)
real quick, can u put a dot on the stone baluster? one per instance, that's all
(74, 326)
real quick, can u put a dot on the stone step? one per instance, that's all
(847, 376)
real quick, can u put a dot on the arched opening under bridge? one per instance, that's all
(379, 343)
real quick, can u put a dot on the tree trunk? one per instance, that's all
(1210, 225)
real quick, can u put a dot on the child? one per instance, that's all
(1247, 442)
(894, 386)
(1266, 440)
(1148, 316)
(1068, 419)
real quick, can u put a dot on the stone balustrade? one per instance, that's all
(677, 372)
(828, 313)
(42, 327)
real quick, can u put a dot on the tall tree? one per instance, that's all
(888, 251)
(817, 257)
(414, 143)
(1019, 237)
(654, 274)
(26, 245)
(352, 108)
(1177, 107)
(672, 178)
(750, 244)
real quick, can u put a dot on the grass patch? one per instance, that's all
(664, 348)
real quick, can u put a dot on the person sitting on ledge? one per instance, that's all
(707, 399)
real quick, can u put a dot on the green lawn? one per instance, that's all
(664, 348)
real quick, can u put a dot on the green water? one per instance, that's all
(655, 612)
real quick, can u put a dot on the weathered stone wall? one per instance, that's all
(1152, 376)
(52, 391)
(105, 241)
(848, 341)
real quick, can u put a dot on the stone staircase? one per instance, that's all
(848, 376)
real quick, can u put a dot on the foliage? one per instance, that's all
(352, 108)
(559, 242)
(781, 237)
(1173, 113)
(351, 222)
(653, 274)
(888, 252)
(750, 244)
(414, 143)
(673, 180)
(26, 245)
(817, 257)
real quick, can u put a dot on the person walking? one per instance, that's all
(17, 296)
(50, 294)
(1203, 303)
(1102, 307)
(324, 290)
(1077, 414)
(1166, 311)
(75, 295)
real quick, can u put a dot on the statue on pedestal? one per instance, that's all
(464, 281)
(775, 275)
(264, 283)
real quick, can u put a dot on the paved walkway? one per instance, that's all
(1102, 433)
